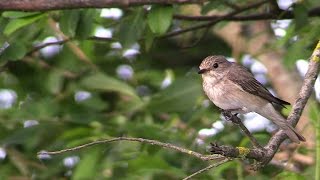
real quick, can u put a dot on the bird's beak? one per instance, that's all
(201, 71)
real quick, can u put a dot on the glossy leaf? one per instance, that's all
(69, 22)
(159, 19)
(14, 51)
(178, 97)
(85, 24)
(131, 29)
(18, 14)
(87, 168)
(16, 24)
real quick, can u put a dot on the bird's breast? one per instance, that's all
(227, 95)
(223, 94)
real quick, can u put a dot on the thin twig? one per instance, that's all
(74, 48)
(207, 168)
(43, 45)
(214, 21)
(142, 140)
(278, 15)
(60, 42)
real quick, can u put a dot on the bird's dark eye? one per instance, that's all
(215, 65)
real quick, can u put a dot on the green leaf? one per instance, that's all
(69, 22)
(55, 81)
(18, 14)
(16, 24)
(149, 39)
(159, 19)
(131, 29)
(300, 12)
(102, 82)
(213, 5)
(286, 175)
(14, 51)
(86, 23)
(179, 97)
(87, 167)
(153, 164)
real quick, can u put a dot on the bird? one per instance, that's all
(231, 87)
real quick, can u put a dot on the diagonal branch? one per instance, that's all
(207, 168)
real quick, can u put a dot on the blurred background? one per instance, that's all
(74, 76)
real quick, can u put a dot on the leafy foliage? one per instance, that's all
(80, 91)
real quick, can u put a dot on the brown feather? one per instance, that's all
(249, 84)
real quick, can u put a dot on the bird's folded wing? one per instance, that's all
(249, 84)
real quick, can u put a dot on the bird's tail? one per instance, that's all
(293, 134)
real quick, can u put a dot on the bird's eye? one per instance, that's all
(215, 65)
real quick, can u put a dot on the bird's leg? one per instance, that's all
(236, 120)
(227, 113)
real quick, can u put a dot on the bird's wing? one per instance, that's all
(248, 83)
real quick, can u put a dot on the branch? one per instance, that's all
(277, 15)
(300, 103)
(61, 42)
(207, 168)
(141, 140)
(44, 5)
(216, 20)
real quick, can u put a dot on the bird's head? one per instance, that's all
(214, 66)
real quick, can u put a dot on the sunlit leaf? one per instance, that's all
(87, 167)
(159, 19)
(102, 82)
(18, 14)
(16, 24)
(178, 97)
(69, 22)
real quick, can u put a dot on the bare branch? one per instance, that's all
(43, 45)
(60, 42)
(141, 140)
(216, 20)
(44, 5)
(207, 168)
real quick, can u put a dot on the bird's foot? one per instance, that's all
(229, 116)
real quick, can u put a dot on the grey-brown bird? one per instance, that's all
(232, 87)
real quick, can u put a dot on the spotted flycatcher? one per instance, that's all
(232, 87)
